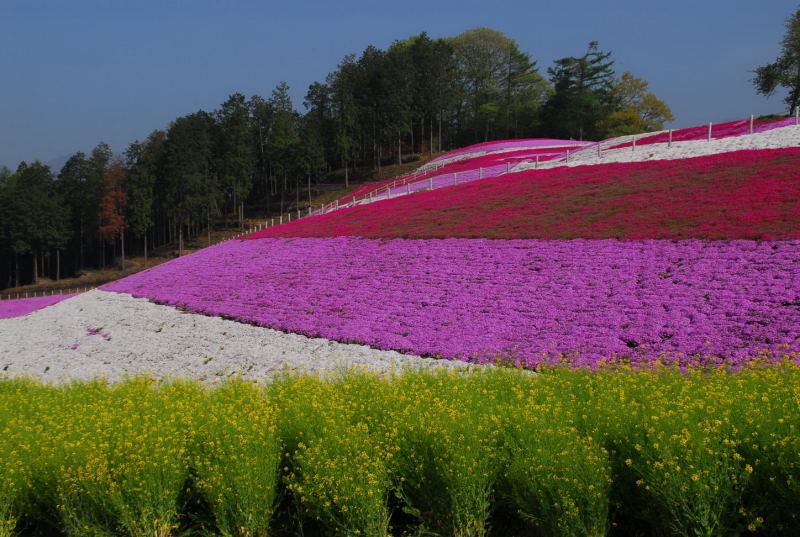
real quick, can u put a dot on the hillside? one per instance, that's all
(749, 194)
(684, 252)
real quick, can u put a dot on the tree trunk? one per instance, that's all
(309, 189)
(431, 148)
(235, 205)
(440, 131)
(81, 247)
(208, 225)
(421, 134)
(346, 177)
(16, 269)
(145, 249)
(122, 240)
(58, 265)
(412, 136)
(180, 241)
(399, 150)
(35, 268)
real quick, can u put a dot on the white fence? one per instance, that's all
(50, 292)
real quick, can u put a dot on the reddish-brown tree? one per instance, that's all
(112, 206)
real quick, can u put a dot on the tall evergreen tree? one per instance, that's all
(143, 161)
(77, 187)
(237, 160)
(284, 140)
(189, 186)
(582, 94)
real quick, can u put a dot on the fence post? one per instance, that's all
(508, 167)
(567, 155)
(709, 131)
(455, 179)
(633, 145)
(480, 173)
(537, 162)
(670, 138)
(408, 188)
(430, 183)
(751, 123)
(598, 150)
(281, 219)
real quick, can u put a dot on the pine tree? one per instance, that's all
(582, 95)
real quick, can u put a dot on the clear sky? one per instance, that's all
(74, 72)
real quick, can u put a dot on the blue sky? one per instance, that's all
(75, 72)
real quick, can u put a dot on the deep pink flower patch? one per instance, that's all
(738, 195)
(23, 306)
(530, 301)
(474, 167)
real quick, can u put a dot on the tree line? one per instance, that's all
(260, 155)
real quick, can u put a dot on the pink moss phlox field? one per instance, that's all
(467, 169)
(528, 301)
(23, 306)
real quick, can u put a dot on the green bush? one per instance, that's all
(565, 452)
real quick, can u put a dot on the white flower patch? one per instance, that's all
(109, 335)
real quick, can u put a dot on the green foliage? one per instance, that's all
(562, 452)
(342, 479)
(236, 161)
(636, 110)
(143, 160)
(557, 479)
(582, 94)
(784, 72)
(237, 460)
(188, 183)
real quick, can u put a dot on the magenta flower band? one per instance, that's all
(526, 302)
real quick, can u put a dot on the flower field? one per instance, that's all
(23, 306)
(484, 161)
(565, 453)
(525, 301)
(658, 303)
(737, 195)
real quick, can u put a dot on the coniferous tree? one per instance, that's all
(77, 188)
(189, 186)
(284, 140)
(237, 161)
(582, 95)
(143, 161)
